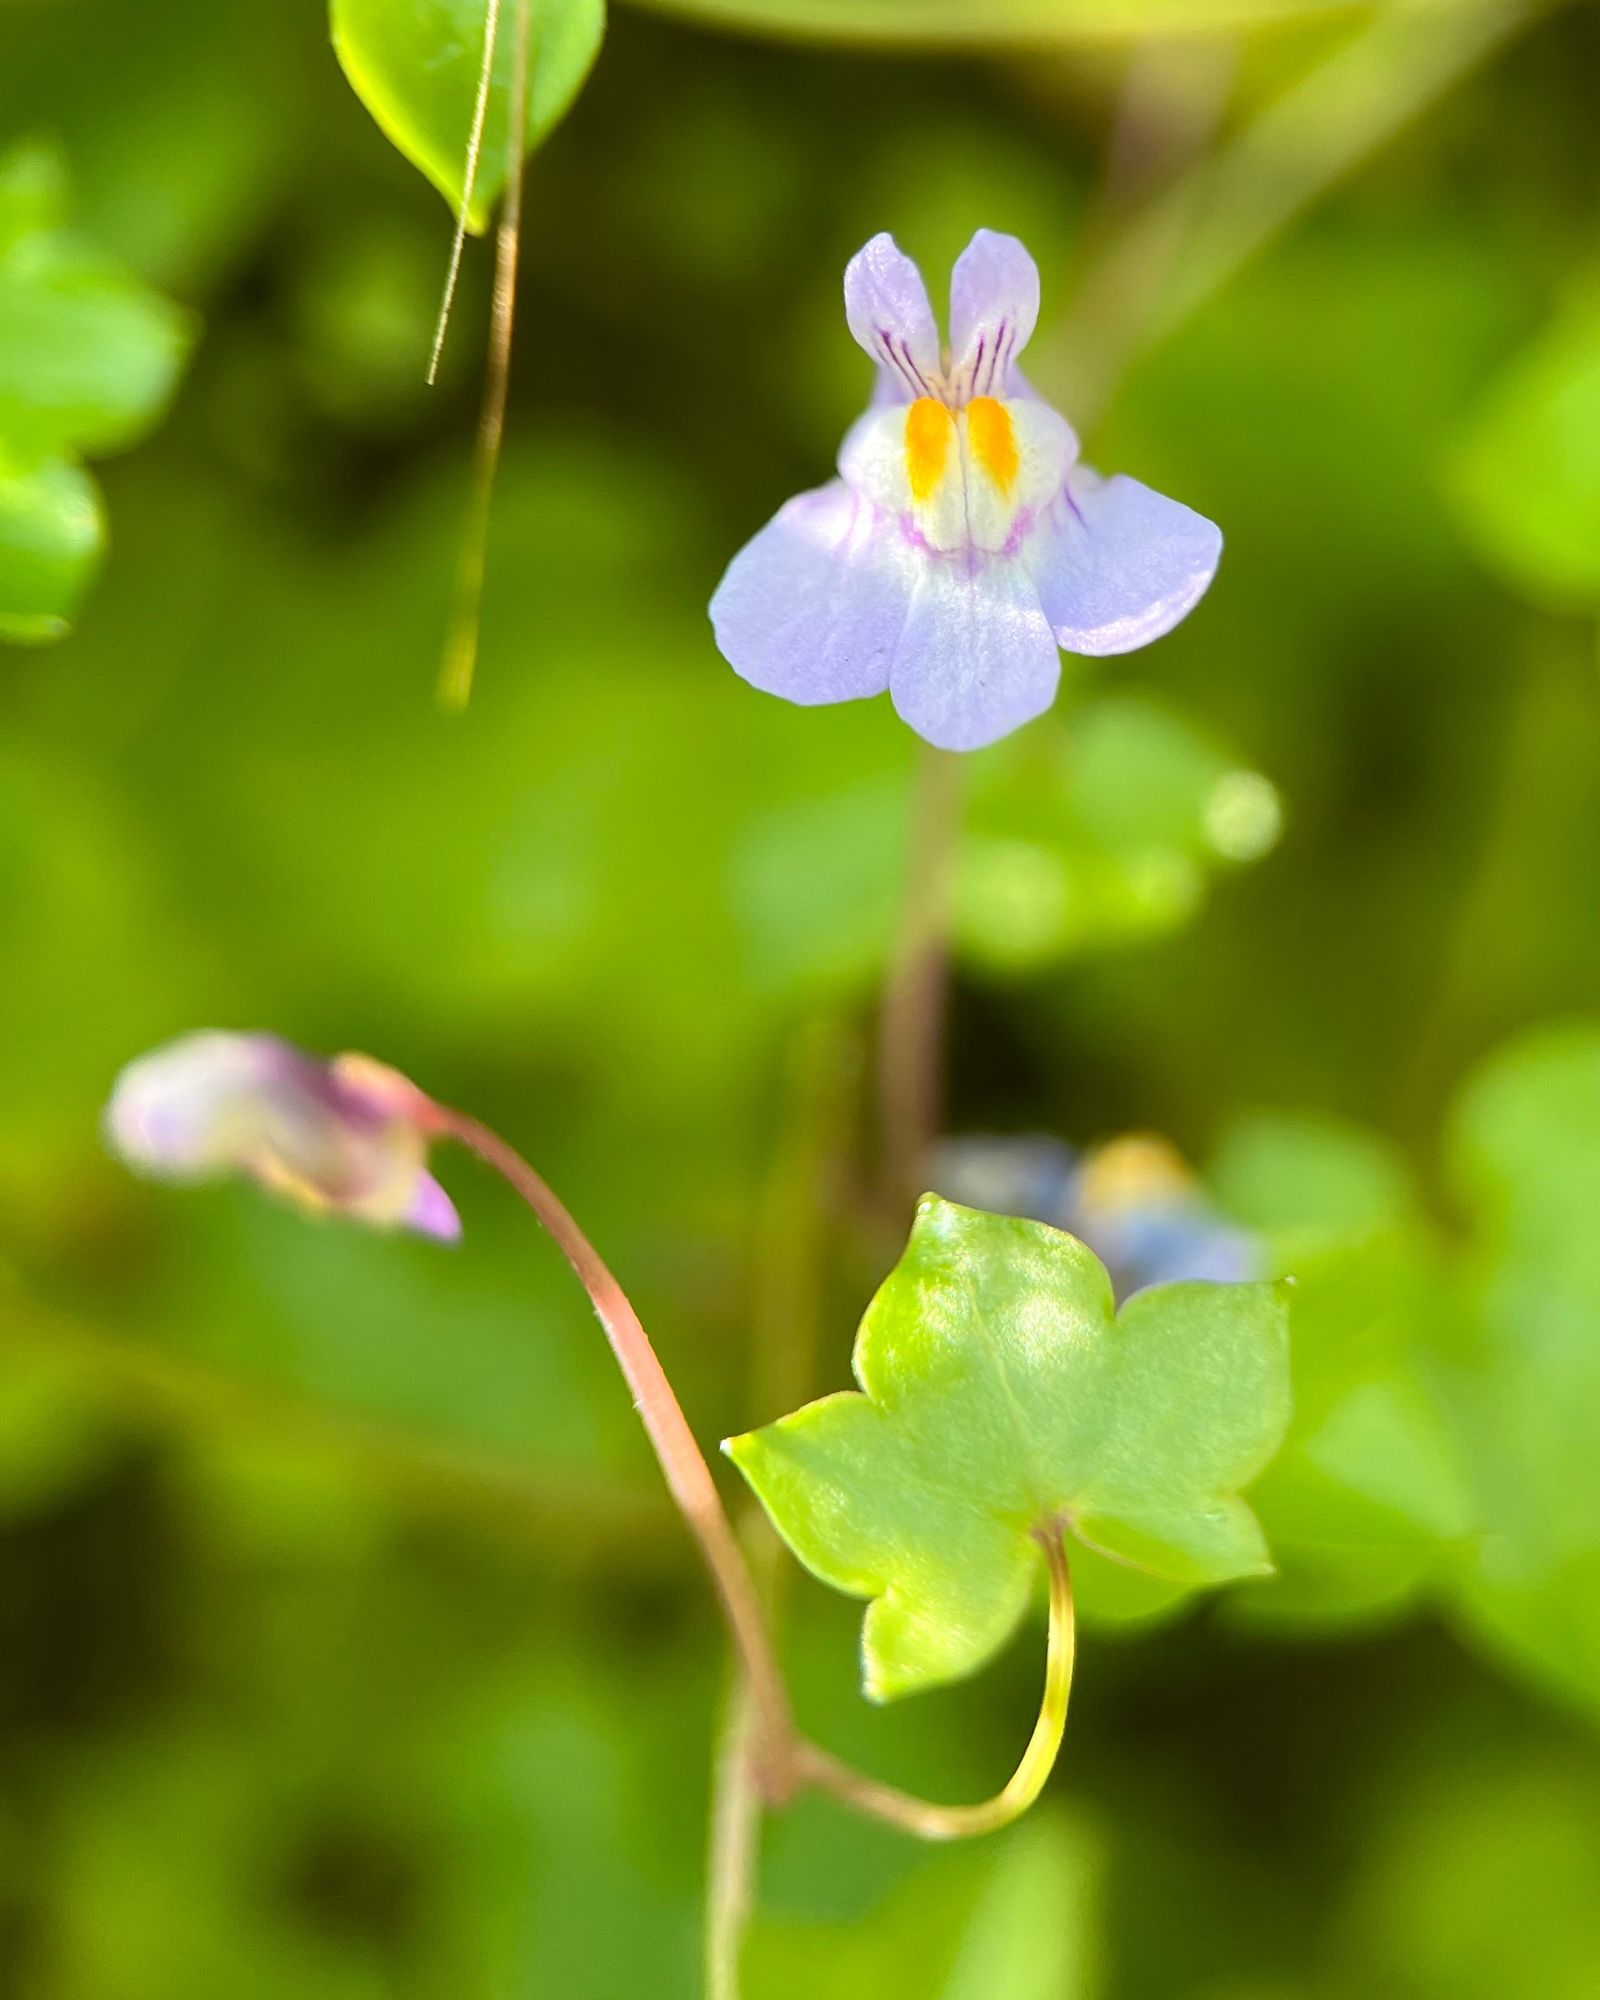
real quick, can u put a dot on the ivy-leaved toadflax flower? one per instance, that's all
(347, 1137)
(962, 544)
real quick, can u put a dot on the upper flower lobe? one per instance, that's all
(349, 1136)
(962, 544)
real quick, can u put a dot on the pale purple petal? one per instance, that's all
(188, 1110)
(432, 1212)
(814, 607)
(994, 307)
(1117, 564)
(977, 658)
(886, 305)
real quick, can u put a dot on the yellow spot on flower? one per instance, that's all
(929, 428)
(994, 442)
(1137, 1168)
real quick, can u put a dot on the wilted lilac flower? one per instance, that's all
(348, 1136)
(1132, 1200)
(963, 543)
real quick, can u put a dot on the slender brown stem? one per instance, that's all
(461, 645)
(912, 1020)
(683, 1464)
(937, 1822)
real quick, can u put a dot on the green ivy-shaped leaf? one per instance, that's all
(416, 64)
(88, 359)
(1003, 1395)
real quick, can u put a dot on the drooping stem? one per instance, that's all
(937, 1822)
(782, 1761)
(915, 996)
(461, 644)
(682, 1462)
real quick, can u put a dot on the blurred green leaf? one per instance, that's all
(88, 354)
(1444, 1903)
(88, 358)
(51, 531)
(997, 21)
(1002, 1396)
(1299, 1178)
(1525, 1381)
(416, 64)
(1526, 477)
(1013, 1919)
(1368, 1494)
(1100, 826)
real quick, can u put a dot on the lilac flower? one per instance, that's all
(963, 543)
(348, 1136)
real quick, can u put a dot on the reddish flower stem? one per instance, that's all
(682, 1462)
(784, 1761)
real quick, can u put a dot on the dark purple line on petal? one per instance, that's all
(999, 349)
(905, 347)
(906, 372)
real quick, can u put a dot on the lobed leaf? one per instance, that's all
(1003, 1396)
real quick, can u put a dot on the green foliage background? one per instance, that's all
(346, 1649)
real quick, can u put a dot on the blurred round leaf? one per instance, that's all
(88, 354)
(1526, 478)
(1099, 826)
(51, 531)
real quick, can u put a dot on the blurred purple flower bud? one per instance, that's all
(1132, 1200)
(1027, 1174)
(347, 1137)
(963, 544)
(1141, 1211)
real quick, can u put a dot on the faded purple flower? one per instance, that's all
(348, 1136)
(963, 543)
